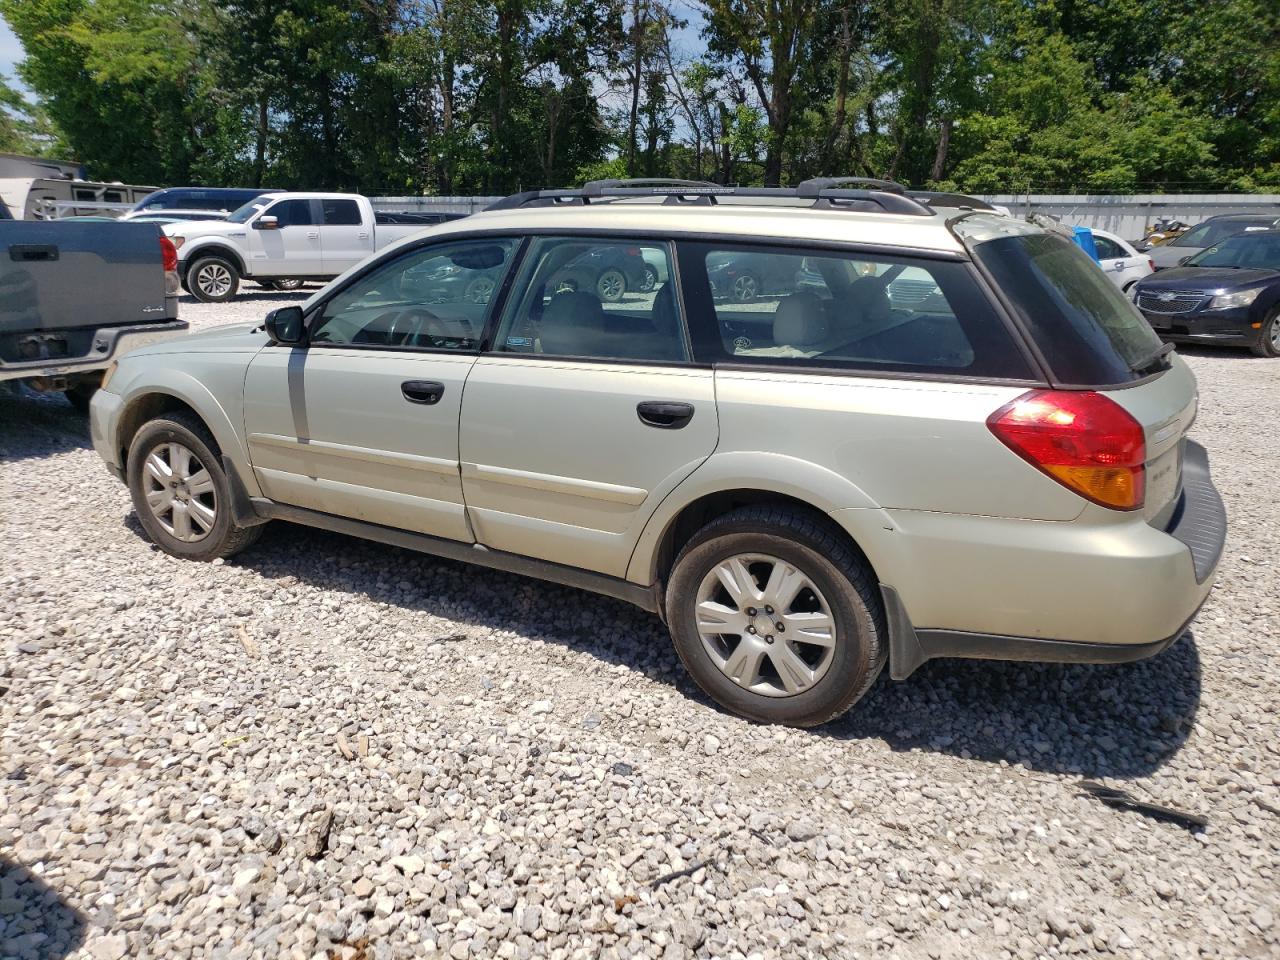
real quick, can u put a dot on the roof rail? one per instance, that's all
(815, 185)
(822, 194)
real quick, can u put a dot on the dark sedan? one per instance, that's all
(1228, 294)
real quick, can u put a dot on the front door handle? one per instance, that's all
(313, 235)
(664, 414)
(422, 391)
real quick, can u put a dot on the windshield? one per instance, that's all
(1086, 328)
(1212, 231)
(1246, 251)
(249, 209)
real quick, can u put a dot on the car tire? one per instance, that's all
(208, 530)
(611, 285)
(745, 288)
(80, 394)
(1268, 344)
(800, 684)
(213, 279)
(479, 290)
(650, 279)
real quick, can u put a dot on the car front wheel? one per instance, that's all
(775, 617)
(180, 491)
(1268, 344)
(213, 279)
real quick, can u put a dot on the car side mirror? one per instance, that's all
(285, 325)
(266, 223)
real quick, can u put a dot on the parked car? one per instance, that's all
(608, 272)
(221, 200)
(1123, 265)
(807, 489)
(1228, 293)
(742, 277)
(1206, 234)
(74, 296)
(281, 237)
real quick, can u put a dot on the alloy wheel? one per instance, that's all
(765, 624)
(213, 279)
(180, 492)
(745, 287)
(611, 286)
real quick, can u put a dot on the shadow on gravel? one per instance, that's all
(1097, 721)
(34, 425)
(1104, 720)
(258, 295)
(34, 920)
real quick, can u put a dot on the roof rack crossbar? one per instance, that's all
(815, 185)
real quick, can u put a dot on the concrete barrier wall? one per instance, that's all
(1128, 216)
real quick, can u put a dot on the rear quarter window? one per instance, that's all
(783, 306)
(1087, 330)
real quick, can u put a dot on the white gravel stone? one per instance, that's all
(525, 760)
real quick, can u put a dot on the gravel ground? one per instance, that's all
(328, 748)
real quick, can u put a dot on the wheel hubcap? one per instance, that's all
(481, 291)
(1275, 334)
(214, 279)
(765, 625)
(180, 492)
(744, 288)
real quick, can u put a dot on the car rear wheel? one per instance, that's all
(650, 279)
(180, 491)
(1268, 344)
(611, 285)
(775, 617)
(745, 287)
(213, 279)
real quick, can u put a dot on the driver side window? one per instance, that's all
(432, 298)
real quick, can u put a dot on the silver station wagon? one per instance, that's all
(912, 431)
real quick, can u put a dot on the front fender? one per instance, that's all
(194, 249)
(784, 475)
(221, 421)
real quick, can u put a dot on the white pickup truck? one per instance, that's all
(283, 238)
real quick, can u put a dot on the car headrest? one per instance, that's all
(870, 298)
(572, 324)
(665, 320)
(800, 321)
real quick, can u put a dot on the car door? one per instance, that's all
(583, 414)
(362, 420)
(289, 248)
(344, 236)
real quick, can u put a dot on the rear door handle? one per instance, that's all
(422, 391)
(313, 235)
(664, 414)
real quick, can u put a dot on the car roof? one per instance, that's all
(1273, 217)
(730, 221)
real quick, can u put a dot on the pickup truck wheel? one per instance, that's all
(81, 393)
(775, 617)
(213, 279)
(180, 491)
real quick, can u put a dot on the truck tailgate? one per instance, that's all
(67, 275)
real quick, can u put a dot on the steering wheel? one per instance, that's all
(410, 325)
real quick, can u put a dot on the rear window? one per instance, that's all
(1214, 231)
(1085, 327)
(830, 309)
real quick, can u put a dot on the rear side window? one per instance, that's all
(1086, 328)
(341, 213)
(1107, 249)
(788, 307)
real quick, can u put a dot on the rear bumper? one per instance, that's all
(1105, 588)
(108, 343)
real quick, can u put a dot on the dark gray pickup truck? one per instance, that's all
(75, 295)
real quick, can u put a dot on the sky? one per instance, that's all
(10, 53)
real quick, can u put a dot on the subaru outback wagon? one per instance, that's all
(806, 485)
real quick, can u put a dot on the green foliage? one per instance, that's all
(490, 96)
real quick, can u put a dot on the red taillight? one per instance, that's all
(1085, 441)
(1152, 265)
(168, 254)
